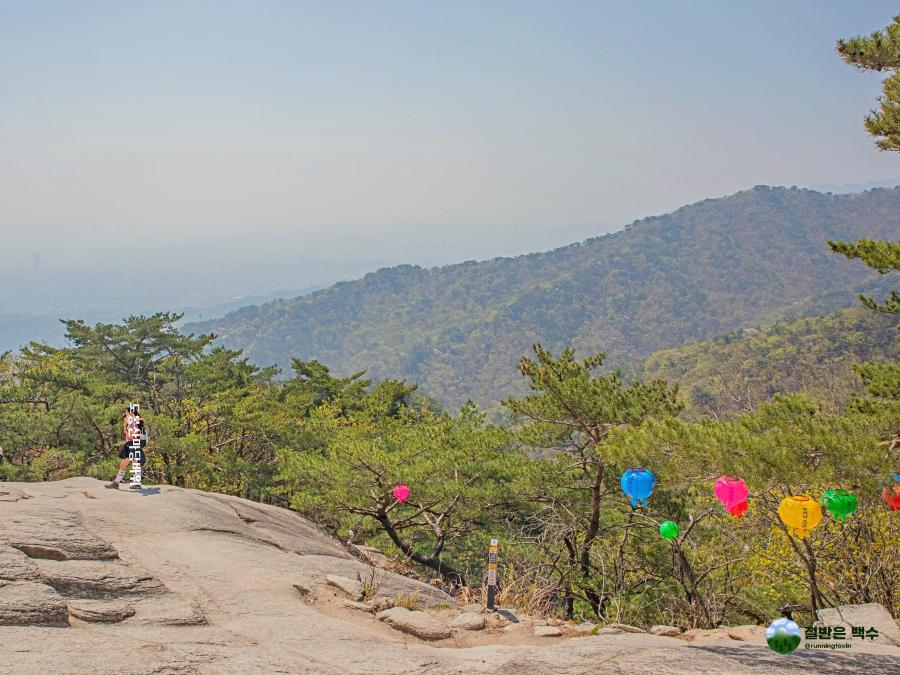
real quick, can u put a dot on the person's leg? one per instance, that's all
(123, 464)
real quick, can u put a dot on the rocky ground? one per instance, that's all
(168, 580)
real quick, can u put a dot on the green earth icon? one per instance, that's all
(783, 636)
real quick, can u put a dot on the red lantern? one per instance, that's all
(891, 495)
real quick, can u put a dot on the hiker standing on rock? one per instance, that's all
(133, 448)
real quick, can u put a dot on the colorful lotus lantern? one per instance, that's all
(668, 529)
(891, 495)
(800, 513)
(401, 493)
(839, 503)
(638, 485)
(732, 492)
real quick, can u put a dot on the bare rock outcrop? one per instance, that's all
(26, 603)
(221, 585)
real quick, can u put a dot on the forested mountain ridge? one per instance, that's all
(704, 270)
(813, 356)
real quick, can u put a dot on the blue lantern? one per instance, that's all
(638, 484)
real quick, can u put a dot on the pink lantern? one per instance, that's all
(731, 491)
(401, 493)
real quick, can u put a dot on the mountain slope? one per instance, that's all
(705, 270)
(812, 355)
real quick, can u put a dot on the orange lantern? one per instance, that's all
(800, 513)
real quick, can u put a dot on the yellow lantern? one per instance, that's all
(800, 513)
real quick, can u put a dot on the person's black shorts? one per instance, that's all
(126, 453)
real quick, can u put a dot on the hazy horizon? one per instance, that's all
(187, 155)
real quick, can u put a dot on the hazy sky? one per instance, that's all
(414, 126)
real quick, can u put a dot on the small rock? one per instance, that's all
(350, 587)
(585, 628)
(540, 622)
(473, 609)
(547, 631)
(703, 634)
(420, 624)
(494, 621)
(381, 603)
(618, 628)
(553, 621)
(468, 621)
(361, 606)
(375, 556)
(96, 611)
(665, 631)
(507, 614)
(747, 633)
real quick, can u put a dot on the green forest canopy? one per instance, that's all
(705, 270)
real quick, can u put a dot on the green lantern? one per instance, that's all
(668, 529)
(839, 503)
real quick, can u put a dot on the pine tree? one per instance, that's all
(880, 51)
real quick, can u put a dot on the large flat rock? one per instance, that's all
(869, 615)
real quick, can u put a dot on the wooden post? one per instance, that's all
(492, 575)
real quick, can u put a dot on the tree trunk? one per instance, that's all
(447, 572)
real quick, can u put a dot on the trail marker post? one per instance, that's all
(492, 575)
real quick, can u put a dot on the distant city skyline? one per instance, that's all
(409, 131)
